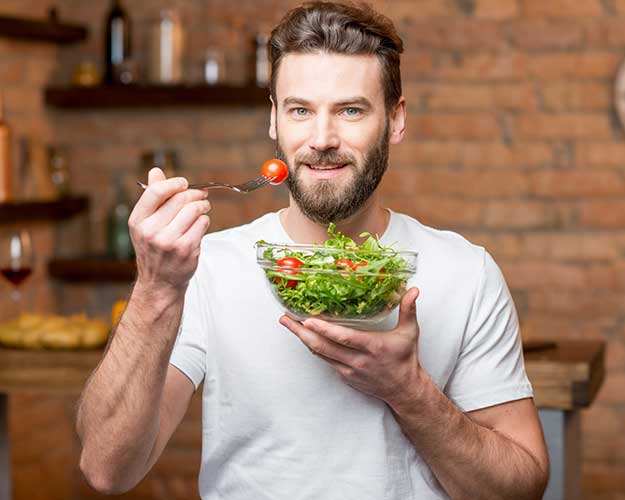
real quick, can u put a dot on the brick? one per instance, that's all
(455, 126)
(438, 211)
(425, 154)
(545, 34)
(405, 12)
(605, 448)
(12, 71)
(572, 305)
(561, 8)
(562, 65)
(472, 184)
(528, 274)
(579, 245)
(474, 97)
(576, 96)
(416, 64)
(611, 422)
(522, 214)
(615, 358)
(500, 245)
(600, 478)
(496, 9)
(455, 34)
(499, 155)
(602, 214)
(563, 126)
(612, 389)
(482, 66)
(563, 184)
(600, 154)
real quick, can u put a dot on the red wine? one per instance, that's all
(16, 276)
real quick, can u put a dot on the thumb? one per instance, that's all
(155, 174)
(408, 309)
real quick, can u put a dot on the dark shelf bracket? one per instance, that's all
(48, 30)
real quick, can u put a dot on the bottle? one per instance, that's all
(117, 42)
(119, 244)
(260, 68)
(6, 191)
(166, 48)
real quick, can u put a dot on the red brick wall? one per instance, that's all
(512, 140)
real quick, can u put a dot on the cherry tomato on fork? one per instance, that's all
(275, 168)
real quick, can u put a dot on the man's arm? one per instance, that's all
(497, 452)
(134, 400)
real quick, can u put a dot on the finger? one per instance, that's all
(317, 343)
(408, 309)
(193, 237)
(184, 220)
(348, 337)
(168, 210)
(155, 174)
(157, 193)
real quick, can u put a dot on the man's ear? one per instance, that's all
(398, 122)
(272, 121)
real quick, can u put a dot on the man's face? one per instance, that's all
(332, 129)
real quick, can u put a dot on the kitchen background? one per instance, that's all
(513, 139)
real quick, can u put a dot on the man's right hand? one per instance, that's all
(166, 226)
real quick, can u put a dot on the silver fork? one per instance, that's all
(244, 187)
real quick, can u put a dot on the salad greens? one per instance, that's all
(338, 278)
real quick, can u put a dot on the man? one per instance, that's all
(435, 408)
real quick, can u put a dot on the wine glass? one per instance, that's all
(16, 260)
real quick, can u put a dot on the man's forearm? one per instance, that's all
(470, 461)
(118, 418)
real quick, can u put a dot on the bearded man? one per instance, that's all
(436, 405)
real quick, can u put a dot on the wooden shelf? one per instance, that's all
(92, 269)
(48, 30)
(44, 210)
(154, 96)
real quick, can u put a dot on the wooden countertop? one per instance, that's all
(564, 374)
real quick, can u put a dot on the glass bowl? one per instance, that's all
(344, 286)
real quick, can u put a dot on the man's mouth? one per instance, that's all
(325, 166)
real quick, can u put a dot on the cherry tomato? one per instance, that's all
(357, 265)
(289, 266)
(345, 263)
(275, 169)
(290, 262)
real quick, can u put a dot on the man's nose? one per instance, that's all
(324, 134)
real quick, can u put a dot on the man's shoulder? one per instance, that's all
(443, 243)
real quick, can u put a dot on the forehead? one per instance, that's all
(324, 77)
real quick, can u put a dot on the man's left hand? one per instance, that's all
(381, 364)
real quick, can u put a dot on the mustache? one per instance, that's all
(315, 158)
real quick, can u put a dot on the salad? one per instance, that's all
(339, 278)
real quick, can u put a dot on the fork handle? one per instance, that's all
(208, 185)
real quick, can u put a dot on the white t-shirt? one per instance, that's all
(279, 424)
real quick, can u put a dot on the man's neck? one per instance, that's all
(371, 218)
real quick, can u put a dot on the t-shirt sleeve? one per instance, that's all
(490, 369)
(189, 352)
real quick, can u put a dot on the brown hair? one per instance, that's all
(339, 28)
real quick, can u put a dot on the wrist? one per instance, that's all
(414, 394)
(152, 300)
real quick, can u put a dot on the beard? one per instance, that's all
(325, 202)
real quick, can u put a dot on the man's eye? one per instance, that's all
(352, 111)
(299, 111)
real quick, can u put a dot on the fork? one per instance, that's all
(244, 187)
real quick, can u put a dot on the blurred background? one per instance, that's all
(514, 139)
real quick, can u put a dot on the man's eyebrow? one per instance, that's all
(295, 100)
(362, 101)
